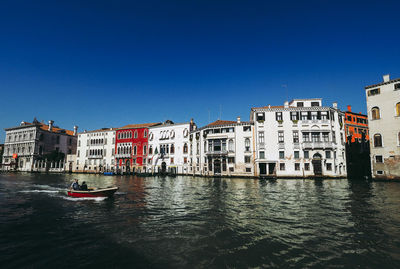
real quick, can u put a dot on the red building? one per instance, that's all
(131, 147)
(355, 125)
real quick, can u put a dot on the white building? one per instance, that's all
(168, 147)
(37, 147)
(95, 152)
(299, 139)
(383, 105)
(222, 148)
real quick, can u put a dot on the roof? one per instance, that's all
(221, 122)
(268, 107)
(99, 130)
(140, 125)
(44, 127)
(357, 114)
(383, 83)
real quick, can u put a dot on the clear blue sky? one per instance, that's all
(111, 63)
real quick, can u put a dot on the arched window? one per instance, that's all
(172, 149)
(230, 145)
(377, 140)
(145, 133)
(150, 149)
(375, 113)
(134, 150)
(185, 148)
(144, 150)
(398, 109)
(247, 144)
(118, 151)
(136, 134)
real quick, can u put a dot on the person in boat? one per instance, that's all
(75, 185)
(84, 186)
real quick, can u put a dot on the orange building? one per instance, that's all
(355, 125)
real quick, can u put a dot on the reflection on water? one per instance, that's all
(199, 222)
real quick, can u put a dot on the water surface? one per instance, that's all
(193, 222)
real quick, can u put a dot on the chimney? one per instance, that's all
(51, 125)
(22, 123)
(386, 78)
(286, 104)
(334, 105)
(75, 130)
(238, 119)
(269, 106)
(349, 108)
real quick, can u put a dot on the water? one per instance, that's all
(187, 222)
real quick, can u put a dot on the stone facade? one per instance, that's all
(222, 148)
(168, 148)
(299, 139)
(383, 105)
(29, 146)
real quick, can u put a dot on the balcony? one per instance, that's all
(296, 145)
(217, 135)
(217, 153)
(318, 145)
(124, 155)
(281, 145)
(315, 121)
(95, 156)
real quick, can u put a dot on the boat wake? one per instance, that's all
(38, 191)
(75, 199)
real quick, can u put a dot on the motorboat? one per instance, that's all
(93, 192)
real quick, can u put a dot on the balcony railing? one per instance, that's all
(124, 155)
(95, 156)
(217, 152)
(314, 121)
(317, 145)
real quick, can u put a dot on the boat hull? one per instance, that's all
(107, 192)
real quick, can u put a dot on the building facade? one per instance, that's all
(356, 126)
(383, 106)
(131, 147)
(37, 147)
(302, 138)
(168, 147)
(222, 148)
(95, 152)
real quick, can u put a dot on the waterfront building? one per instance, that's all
(302, 138)
(355, 125)
(131, 147)
(383, 106)
(95, 152)
(37, 147)
(168, 147)
(222, 148)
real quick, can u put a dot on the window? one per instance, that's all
(136, 134)
(150, 149)
(378, 159)
(314, 103)
(280, 137)
(307, 166)
(300, 104)
(248, 170)
(145, 133)
(247, 159)
(379, 172)
(374, 92)
(278, 116)
(329, 167)
(295, 137)
(282, 166)
(375, 113)
(398, 109)
(230, 145)
(134, 150)
(306, 137)
(328, 154)
(260, 117)
(281, 155)
(231, 160)
(172, 149)
(247, 144)
(246, 128)
(397, 86)
(297, 166)
(306, 154)
(377, 140)
(315, 137)
(185, 148)
(297, 155)
(261, 137)
(262, 155)
(144, 150)
(294, 116)
(325, 137)
(172, 160)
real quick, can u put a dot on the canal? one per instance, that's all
(193, 222)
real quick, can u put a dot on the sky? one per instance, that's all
(110, 63)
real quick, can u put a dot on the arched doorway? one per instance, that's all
(217, 166)
(163, 167)
(317, 164)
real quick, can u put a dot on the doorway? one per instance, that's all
(317, 164)
(217, 166)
